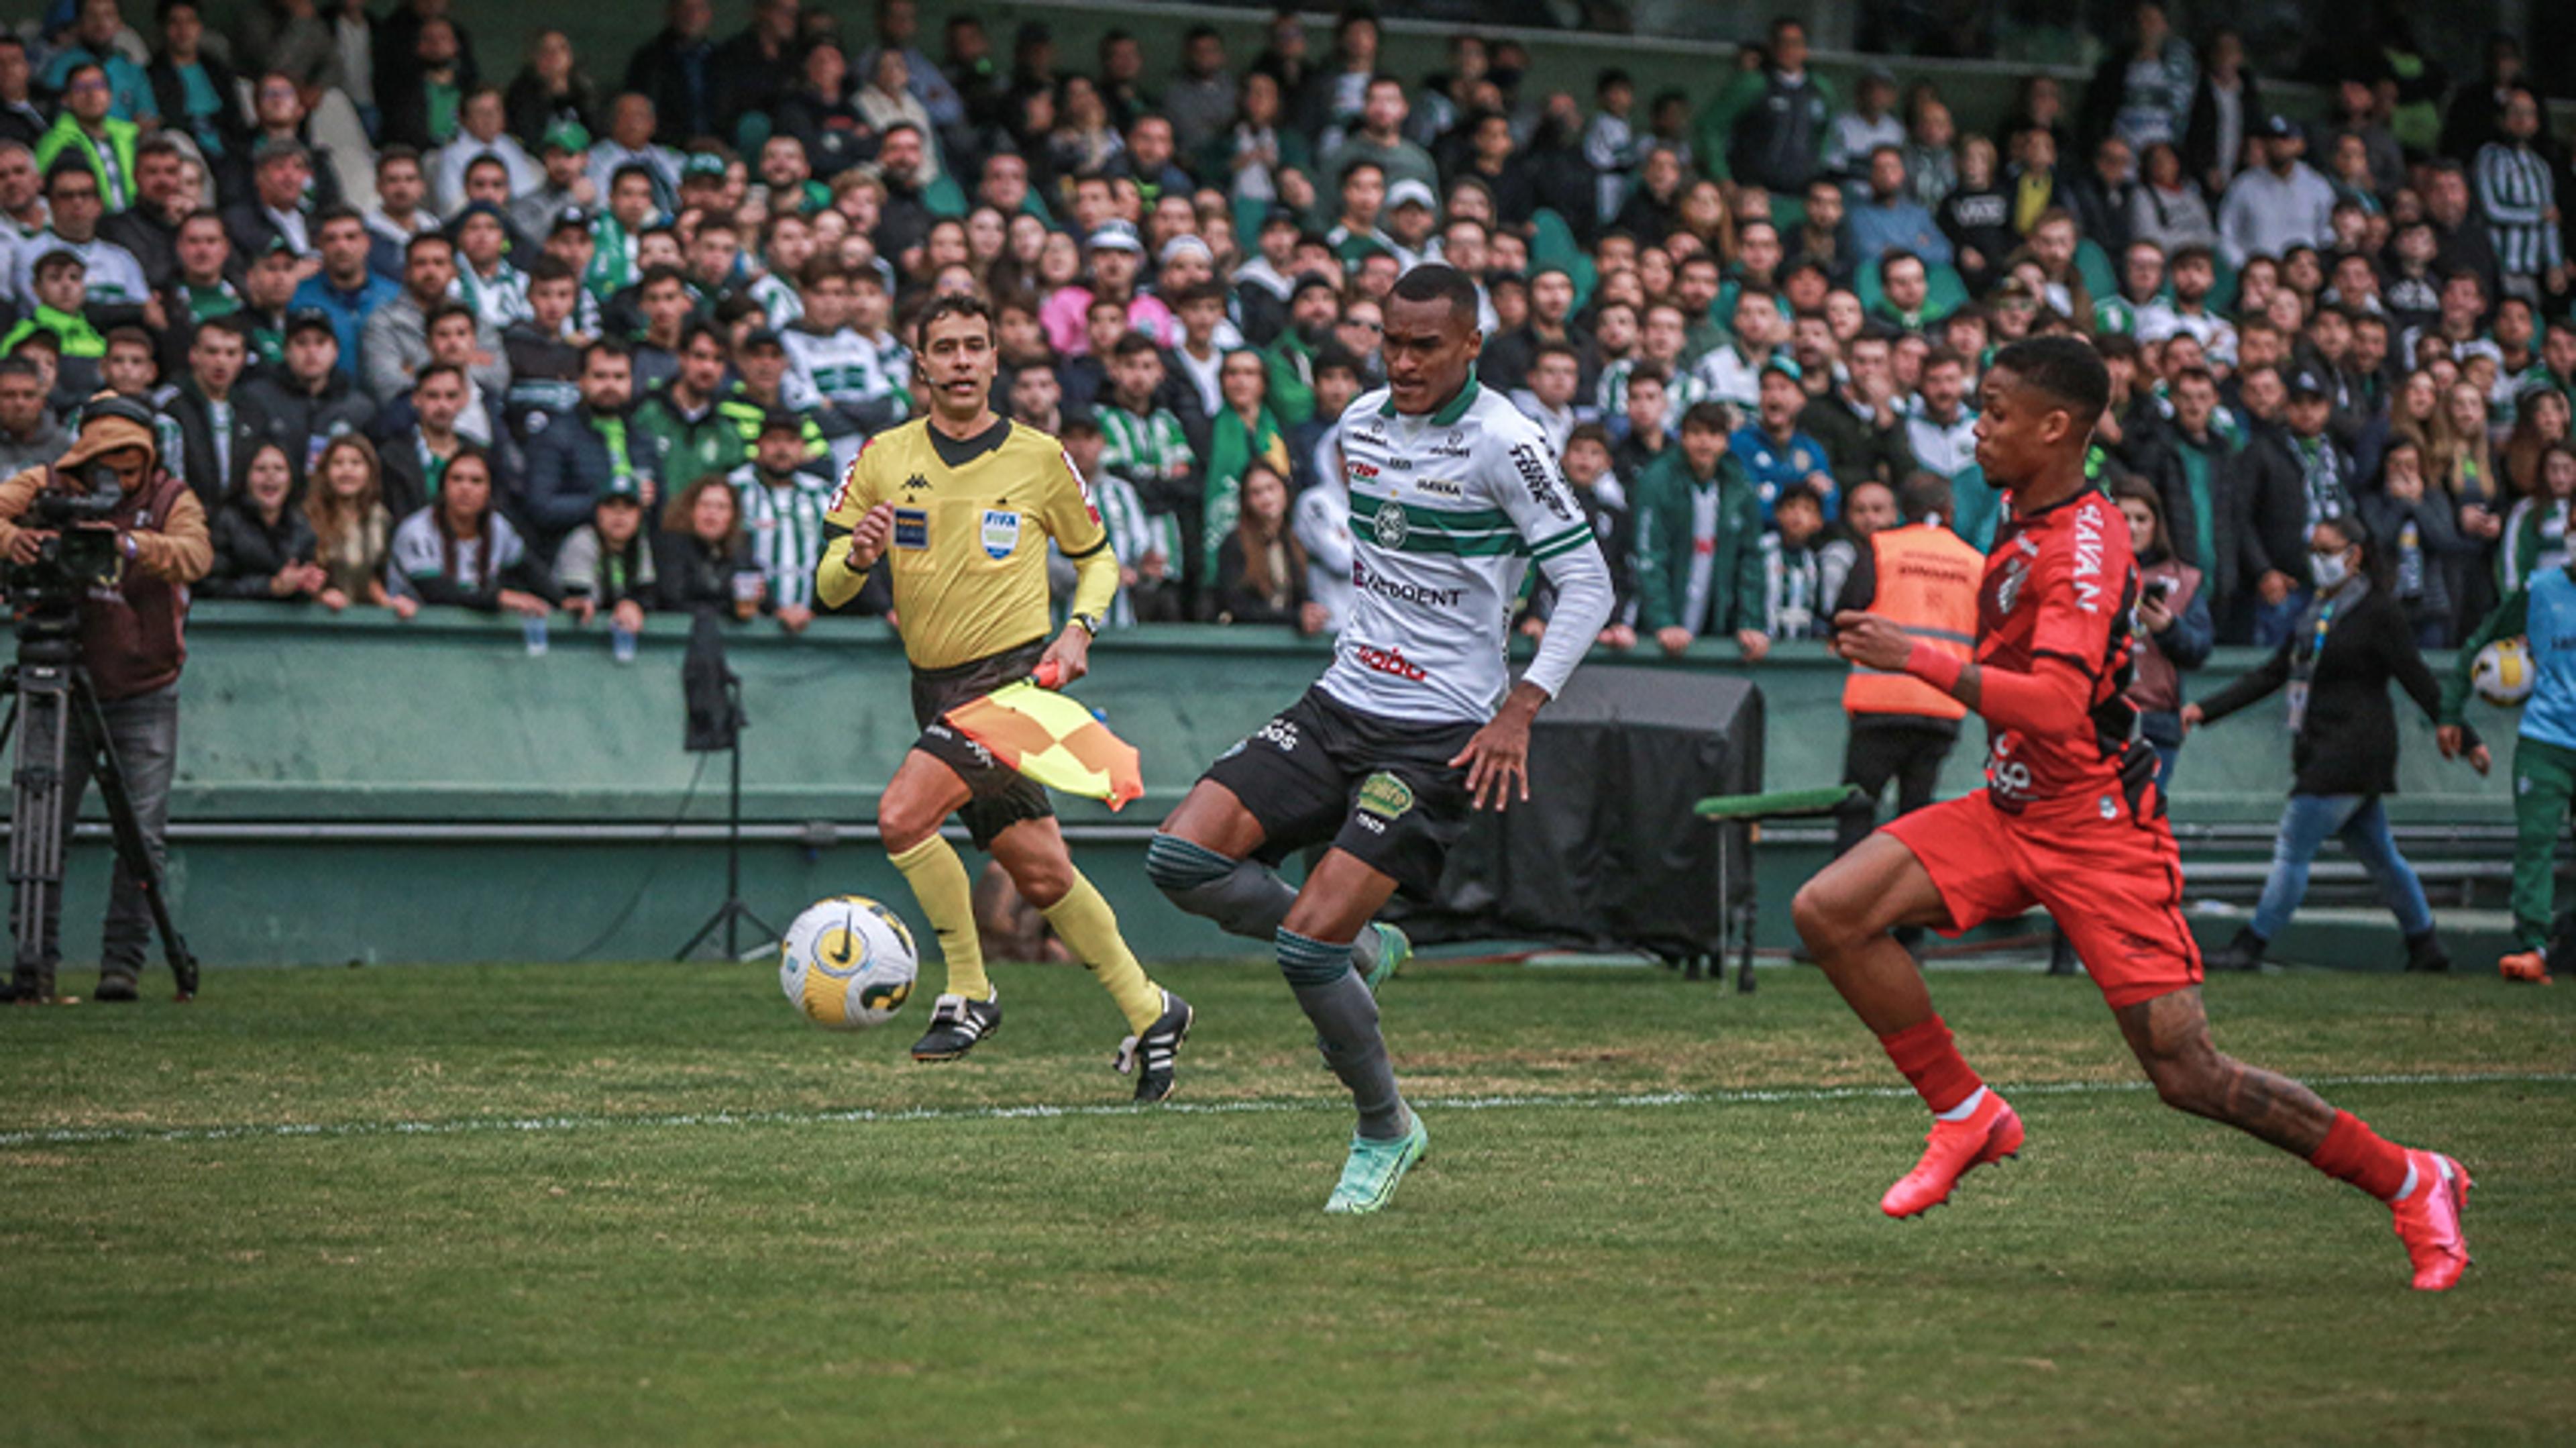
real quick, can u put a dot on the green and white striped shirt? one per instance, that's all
(785, 524)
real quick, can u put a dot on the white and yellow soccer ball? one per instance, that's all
(848, 963)
(2502, 674)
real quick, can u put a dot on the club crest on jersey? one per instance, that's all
(912, 528)
(1001, 533)
(1385, 796)
(2008, 592)
(1391, 525)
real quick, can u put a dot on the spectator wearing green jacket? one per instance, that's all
(1699, 542)
(87, 133)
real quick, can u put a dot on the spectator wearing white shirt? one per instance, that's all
(1555, 376)
(1732, 374)
(2281, 204)
(482, 129)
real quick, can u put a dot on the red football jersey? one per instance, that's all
(2060, 583)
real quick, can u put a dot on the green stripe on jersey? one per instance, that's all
(1463, 533)
(1562, 543)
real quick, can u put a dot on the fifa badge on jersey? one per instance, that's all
(1391, 525)
(912, 528)
(1384, 795)
(1001, 533)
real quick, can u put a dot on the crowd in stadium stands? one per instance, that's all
(604, 347)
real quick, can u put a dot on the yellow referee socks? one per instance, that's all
(939, 883)
(1084, 920)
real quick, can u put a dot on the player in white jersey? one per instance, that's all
(1453, 494)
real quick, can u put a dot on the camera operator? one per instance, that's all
(131, 634)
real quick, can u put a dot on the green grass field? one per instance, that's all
(647, 1205)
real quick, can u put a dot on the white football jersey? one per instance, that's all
(842, 368)
(1447, 511)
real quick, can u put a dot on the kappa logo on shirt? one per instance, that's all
(916, 483)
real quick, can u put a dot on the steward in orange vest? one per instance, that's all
(1924, 577)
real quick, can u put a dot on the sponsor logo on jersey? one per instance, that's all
(1541, 482)
(1390, 661)
(1001, 533)
(1442, 488)
(912, 528)
(1384, 795)
(1399, 591)
(1452, 446)
(2088, 558)
(1363, 470)
(1391, 526)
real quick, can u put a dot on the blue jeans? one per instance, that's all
(2273, 621)
(2363, 826)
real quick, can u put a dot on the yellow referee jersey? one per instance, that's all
(969, 546)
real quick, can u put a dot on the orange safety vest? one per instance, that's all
(1927, 579)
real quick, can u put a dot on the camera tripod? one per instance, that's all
(50, 693)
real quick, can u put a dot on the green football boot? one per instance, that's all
(1369, 1178)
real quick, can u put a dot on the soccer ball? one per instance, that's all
(847, 963)
(2502, 674)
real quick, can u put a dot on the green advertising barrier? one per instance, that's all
(355, 788)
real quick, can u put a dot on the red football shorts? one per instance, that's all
(2112, 881)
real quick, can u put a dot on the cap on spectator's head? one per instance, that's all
(1281, 214)
(472, 209)
(1410, 192)
(2306, 383)
(1785, 366)
(1115, 236)
(277, 246)
(703, 163)
(577, 217)
(2277, 127)
(278, 148)
(310, 319)
(759, 337)
(1880, 74)
(1077, 419)
(566, 136)
(622, 488)
(777, 419)
(1184, 244)
(1310, 281)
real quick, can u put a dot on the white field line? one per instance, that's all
(869, 1116)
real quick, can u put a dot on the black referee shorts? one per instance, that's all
(1002, 796)
(1381, 790)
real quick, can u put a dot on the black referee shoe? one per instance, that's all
(956, 1024)
(1149, 1057)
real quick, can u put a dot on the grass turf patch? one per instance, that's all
(1697, 1271)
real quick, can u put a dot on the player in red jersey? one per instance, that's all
(2070, 820)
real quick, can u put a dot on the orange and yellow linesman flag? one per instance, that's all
(1054, 740)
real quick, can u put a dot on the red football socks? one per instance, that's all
(1940, 1075)
(2354, 1153)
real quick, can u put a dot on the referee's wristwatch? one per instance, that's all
(1090, 624)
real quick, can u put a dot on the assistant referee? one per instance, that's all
(961, 503)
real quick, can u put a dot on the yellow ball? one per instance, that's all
(2502, 674)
